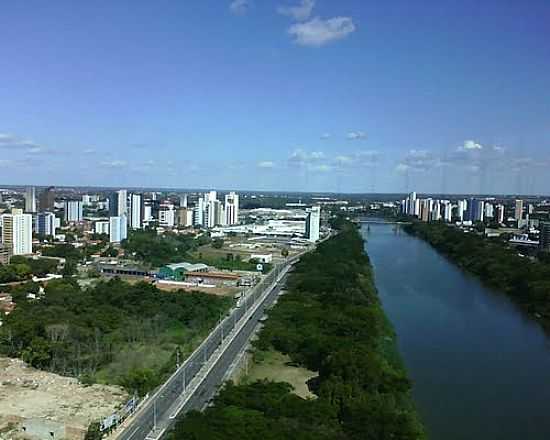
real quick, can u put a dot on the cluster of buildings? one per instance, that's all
(467, 212)
(464, 210)
(44, 215)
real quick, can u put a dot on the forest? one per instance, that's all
(525, 280)
(116, 332)
(331, 322)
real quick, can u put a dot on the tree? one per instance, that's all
(217, 243)
(284, 252)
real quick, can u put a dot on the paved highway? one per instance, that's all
(197, 380)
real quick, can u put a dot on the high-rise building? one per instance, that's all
(436, 211)
(167, 215)
(30, 199)
(183, 201)
(136, 211)
(118, 228)
(17, 233)
(499, 215)
(45, 224)
(462, 209)
(47, 199)
(118, 203)
(426, 207)
(544, 236)
(447, 212)
(73, 211)
(313, 223)
(5, 254)
(184, 217)
(213, 213)
(518, 211)
(231, 208)
(86, 200)
(489, 210)
(198, 212)
(101, 227)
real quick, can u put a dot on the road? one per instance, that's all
(198, 379)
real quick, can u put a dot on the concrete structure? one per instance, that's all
(17, 233)
(262, 258)
(118, 203)
(544, 237)
(73, 211)
(47, 199)
(46, 224)
(178, 271)
(30, 200)
(167, 215)
(5, 254)
(184, 217)
(101, 227)
(122, 270)
(118, 229)
(518, 210)
(136, 211)
(313, 224)
(213, 213)
(231, 206)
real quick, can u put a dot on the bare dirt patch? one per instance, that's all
(27, 393)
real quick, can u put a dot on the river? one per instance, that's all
(480, 367)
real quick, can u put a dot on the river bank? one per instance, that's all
(330, 322)
(478, 363)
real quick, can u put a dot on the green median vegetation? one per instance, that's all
(115, 333)
(331, 322)
(525, 280)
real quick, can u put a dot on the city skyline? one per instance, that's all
(257, 95)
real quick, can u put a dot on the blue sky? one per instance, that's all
(348, 95)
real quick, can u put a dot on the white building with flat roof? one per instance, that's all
(17, 233)
(313, 224)
(118, 229)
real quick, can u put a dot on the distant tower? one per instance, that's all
(30, 200)
(313, 221)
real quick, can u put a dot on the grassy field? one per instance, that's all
(277, 367)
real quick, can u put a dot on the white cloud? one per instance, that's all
(325, 136)
(300, 157)
(318, 32)
(114, 164)
(240, 7)
(402, 168)
(300, 12)
(4, 163)
(266, 164)
(470, 145)
(89, 151)
(355, 135)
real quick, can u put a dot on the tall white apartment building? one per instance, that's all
(118, 229)
(231, 206)
(118, 203)
(17, 233)
(213, 213)
(461, 209)
(313, 224)
(73, 211)
(136, 210)
(167, 215)
(448, 212)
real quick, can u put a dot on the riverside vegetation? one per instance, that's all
(331, 322)
(526, 281)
